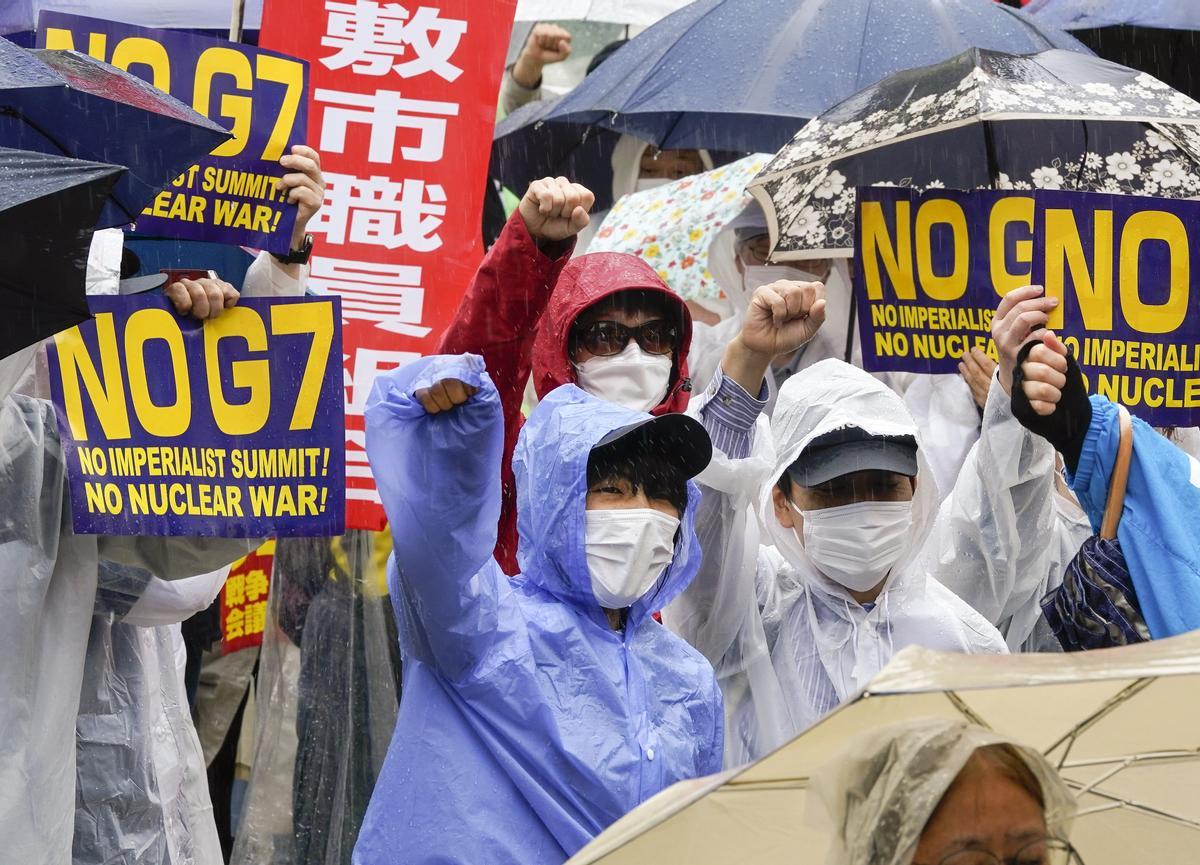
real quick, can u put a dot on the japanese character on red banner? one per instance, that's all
(244, 600)
(370, 37)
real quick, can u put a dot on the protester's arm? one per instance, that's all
(716, 611)
(499, 314)
(522, 84)
(991, 543)
(305, 186)
(1157, 531)
(435, 439)
(168, 603)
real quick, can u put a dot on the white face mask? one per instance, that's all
(857, 545)
(758, 275)
(627, 551)
(646, 183)
(634, 379)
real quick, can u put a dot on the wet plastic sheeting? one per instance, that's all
(328, 690)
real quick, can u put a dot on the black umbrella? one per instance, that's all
(70, 104)
(1054, 120)
(48, 210)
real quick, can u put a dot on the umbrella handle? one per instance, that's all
(1120, 478)
(850, 327)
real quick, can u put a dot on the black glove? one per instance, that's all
(1067, 427)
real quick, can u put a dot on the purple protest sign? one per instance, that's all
(930, 269)
(260, 96)
(232, 427)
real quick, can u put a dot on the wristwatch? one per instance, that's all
(297, 256)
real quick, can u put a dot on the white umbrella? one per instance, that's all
(638, 13)
(190, 14)
(1122, 726)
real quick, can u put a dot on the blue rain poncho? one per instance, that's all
(527, 725)
(1158, 525)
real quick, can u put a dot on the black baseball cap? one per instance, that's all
(679, 440)
(852, 449)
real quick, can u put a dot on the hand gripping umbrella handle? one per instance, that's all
(1119, 479)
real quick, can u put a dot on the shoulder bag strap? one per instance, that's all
(1119, 479)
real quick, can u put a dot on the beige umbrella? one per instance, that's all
(1122, 725)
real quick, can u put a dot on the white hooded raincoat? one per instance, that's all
(788, 644)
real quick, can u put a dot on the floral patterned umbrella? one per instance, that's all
(1054, 120)
(672, 227)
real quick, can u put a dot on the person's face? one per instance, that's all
(983, 812)
(755, 251)
(670, 164)
(614, 493)
(866, 486)
(628, 315)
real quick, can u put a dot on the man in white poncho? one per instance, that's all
(799, 609)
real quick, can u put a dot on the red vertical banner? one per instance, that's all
(244, 600)
(401, 107)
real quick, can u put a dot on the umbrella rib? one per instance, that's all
(9, 111)
(1118, 802)
(1123, 763)
(967, 712)
(1130, 759)
(1106, 709)
(773, 784)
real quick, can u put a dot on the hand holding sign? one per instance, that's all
(201, 298)
(977, 370)
(781, 318)
(1022, 313)
(305, 187)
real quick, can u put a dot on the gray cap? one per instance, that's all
(851, 449)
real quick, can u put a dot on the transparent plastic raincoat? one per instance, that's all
(142, 789)
(527, 725)
(878, 793)
(325, 701)
(787, 643)
(49, 582)
(1030, 535)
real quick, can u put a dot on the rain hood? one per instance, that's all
(527, 724)
(584, 282)
(788, 643)
(879, 791)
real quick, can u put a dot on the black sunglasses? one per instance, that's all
(606, 338)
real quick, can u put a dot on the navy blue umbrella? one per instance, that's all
(70, 104)
(745, 75)
(48, 210)
(1086, 14)
(1161, 37)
